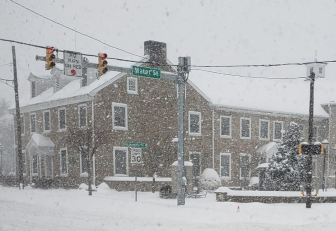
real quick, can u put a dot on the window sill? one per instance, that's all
(226, 137)
(84, 175)
(64, 175)
(62, 130)
(263, 139)
(120, 128)
(245, 138)
(132, 92)
(225, 178)
(195, 134)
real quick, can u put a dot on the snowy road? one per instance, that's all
(35, 209)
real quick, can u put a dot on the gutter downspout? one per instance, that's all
(93, 135)
(213, 138)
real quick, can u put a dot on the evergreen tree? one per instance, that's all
(286, 168)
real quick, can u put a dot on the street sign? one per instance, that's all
(135, 145)
(146, 72)
(73, 63)
(314, 149)
(136, 155)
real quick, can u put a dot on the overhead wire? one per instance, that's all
(76, 31)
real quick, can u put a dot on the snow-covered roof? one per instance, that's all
(272, 95)
(263, 165)
(41, 141)
(186, 163)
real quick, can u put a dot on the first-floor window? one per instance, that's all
(83, 163)
(48, 167)
(32, 123)
(82, 116)
(64, 162)
(244, 166)
(34, 165)
(225, 168)
(195, 158)
(24, 163)
(120, 161)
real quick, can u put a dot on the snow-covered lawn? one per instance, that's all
(58, 209)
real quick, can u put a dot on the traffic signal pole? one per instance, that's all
(310, 141)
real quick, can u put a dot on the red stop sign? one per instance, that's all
(73, 72)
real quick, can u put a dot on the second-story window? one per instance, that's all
(32, 123)
(119, 116)
(277, 135)
(225, 124)
(132, 85)
(264, 129)
(46, 121)
(194, 123)
(61, 119)
(245, 128)
(82, 116)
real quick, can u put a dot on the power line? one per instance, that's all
(5, 82)
(245, 76)
(76, 31)
(268, 65)
(9, 80)
(6, 64)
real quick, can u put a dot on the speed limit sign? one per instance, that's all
(136, 155)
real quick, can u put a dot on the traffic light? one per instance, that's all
(50, 58)
(102, 63)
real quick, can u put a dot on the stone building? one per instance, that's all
(222, 131)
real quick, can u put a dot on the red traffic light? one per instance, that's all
(103, 55)
(50, 50)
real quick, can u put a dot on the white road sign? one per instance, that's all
(136, 155)
(72, 63)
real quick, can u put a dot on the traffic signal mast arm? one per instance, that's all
(128, 70)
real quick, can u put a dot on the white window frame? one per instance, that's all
(82, 174)
(30, 125)
(268, 129)
(220, 166)
(79, 115)
(44, 128)
(66, 162)
(230, 127)
(23, 126)
(241, 128)
(114, 166)
(274, 122)
(24, 164)
(59, 119)
(37, 165)
(200, 123)
(126, 116)
(240, 172)
(45, 166)
(136, 85)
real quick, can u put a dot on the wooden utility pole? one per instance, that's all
(18, 122)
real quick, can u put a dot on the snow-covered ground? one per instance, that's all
(59, 209)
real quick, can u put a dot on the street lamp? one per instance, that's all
(1, 152)
(325, 143)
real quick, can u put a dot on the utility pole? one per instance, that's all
(18, 122)
(310, 141)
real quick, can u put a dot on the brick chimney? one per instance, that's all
(157, 51)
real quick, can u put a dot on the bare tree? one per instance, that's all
(87, 140)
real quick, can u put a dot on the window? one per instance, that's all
(22, 124)
(119, 115)
(195, 158)
(48, 167)
(225, 165)
(225, 126)
(64, 162)
(83, 165)
(32, 123)
(33, 89)
(320, 70)
(120, 161)
(61, 119)
(194, 123)
(132, 85)
(315, 133)
(82, 116)
(314, 168)
(301, 128)
(34, 165)
(24, 162)
(244, 166)
(263, 129)
(277, 128)
(245, 128)
(46, 121)
(84, 80)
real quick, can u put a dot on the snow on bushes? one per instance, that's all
(209, 180)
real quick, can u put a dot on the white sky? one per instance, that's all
(210, 32)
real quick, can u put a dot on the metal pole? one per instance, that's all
(310, 140)
(136, 189)
(324, 165)
(180, 136)
(18, 121)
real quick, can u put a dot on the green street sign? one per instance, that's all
(135, 145)
(146, 72)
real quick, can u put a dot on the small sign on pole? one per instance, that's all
(146, 72)
(73, 63)
(136, 155)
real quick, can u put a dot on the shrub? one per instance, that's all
(209, 180)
